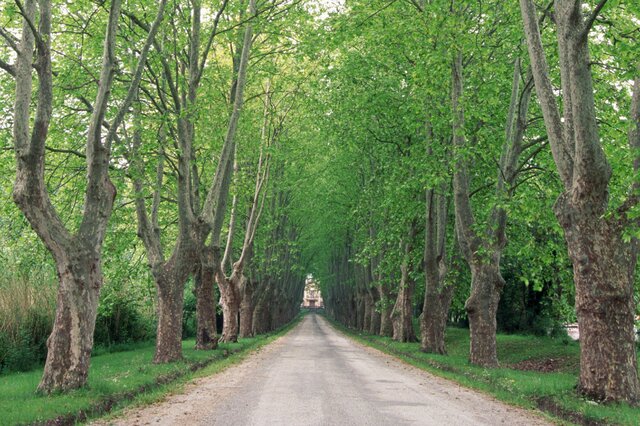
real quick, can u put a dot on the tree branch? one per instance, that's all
(592, 18)
(8, 68)
(135, 81)
(10, 39)
(544, 90)
(29, 22)
(214, 32)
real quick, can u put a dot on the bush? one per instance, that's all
(121, 323)
(120, 319)
(525, 309)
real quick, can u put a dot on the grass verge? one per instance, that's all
(117, 380)
(535, 373)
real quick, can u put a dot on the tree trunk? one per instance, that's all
(169, 332)
(360, 310)
(368, 308)
(78, 256)
(402, 314)
(438, 295)
(260, 321)
(230, 309)
(261, 314)
(433, 321)
(374, 325)
(481, 307)
(603, 268)
(386, 326)
(246, 309)
(70, 343)
(206, 338)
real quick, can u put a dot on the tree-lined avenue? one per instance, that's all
(316, 376)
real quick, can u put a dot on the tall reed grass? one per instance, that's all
(27, 309)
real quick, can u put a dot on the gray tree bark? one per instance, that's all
(402, 313)
(438, 295)
(247, 307)
(206, 338)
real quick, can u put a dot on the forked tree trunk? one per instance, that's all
(71, 341)
(206, 337)
(215, 205)
(77, 256)
(483, 251)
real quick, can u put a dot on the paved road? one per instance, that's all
(316, 376)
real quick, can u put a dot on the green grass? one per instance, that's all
(118, 379)
(527, 389)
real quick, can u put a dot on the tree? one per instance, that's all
(77, 254)
(603, 256)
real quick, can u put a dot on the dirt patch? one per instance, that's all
(550, 406)
(543, 365)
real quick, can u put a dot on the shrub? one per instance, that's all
(120, 318)
(526, 309)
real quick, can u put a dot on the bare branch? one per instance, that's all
(592, 18)
(8, 68)
(214, 32)
(66, 151)
(417, 5)
(29, 22)
(544, 90)
(135, 82)
(10, 39)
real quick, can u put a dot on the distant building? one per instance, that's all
(574, 332)
(312, 297)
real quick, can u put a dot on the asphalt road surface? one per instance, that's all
(316, 376)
